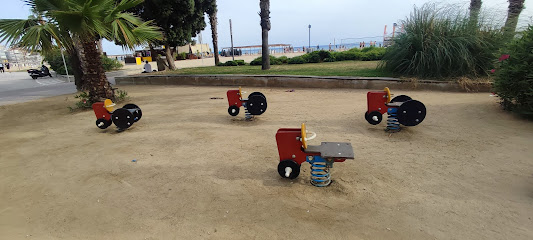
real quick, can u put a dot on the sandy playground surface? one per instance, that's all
(465, 173)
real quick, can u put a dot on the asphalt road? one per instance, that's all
(16, 87)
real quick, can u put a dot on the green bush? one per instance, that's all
(259, 61)
(339, 56)
(514, 77)
(229, 63)
(351, 55)
(296, 60)
(329, 59)
(110, 64)
(284, 59)
(181, 56)
(324, 54)
(442, 43)
(56, 62)
(240, 62)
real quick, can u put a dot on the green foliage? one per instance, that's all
(514, 77)
(55, 60)
(296, 60)
(83, 103)
(181, 56)
(442, 43)
(259, 61)
(121, 96)
(284, 59)
(110, 64)
(232, 63)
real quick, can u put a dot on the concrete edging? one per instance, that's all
(290, 81)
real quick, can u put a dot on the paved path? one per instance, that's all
(19, 87)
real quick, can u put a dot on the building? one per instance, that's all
(19, 58)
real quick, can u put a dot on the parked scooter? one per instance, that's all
(35, 73)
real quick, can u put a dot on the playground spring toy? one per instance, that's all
(400, 110)
(256, 104)
(293, 151)
(123, 117)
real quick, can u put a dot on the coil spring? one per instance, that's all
(247, 114)
(320, 176)
(393, 125)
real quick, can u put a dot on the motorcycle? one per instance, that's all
(35, 73)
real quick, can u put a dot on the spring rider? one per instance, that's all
(400, 110)
(256, 104)
(123, 117)
(293, 151)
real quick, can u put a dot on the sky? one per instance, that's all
(332, 21)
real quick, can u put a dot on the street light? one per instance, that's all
(309, 36)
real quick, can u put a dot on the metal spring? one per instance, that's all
(393, 125)
(247, 115)
(320, 176)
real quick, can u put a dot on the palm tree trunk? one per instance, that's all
(515, 8)
(214, 35)
(265, 27)
(94, 78)
(170, 57)
(76, 68)
(475, 8)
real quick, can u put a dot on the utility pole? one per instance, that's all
(309, 36)
(231, 34)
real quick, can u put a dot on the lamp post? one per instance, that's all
(309, 36)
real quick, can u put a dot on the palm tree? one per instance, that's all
(475, 8)
(515, 8)
(63, 23)
(212, 12)
(265, 27)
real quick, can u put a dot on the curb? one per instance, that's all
(291, 81)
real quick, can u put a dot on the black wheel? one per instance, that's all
(411, 113)
(122, 118)
(50, 75)
(401, 98)
(374, 118)
(256, 94)
(366, 116)
(233, 110)
(293, 172)
(256, 104)
(102, 123)
(137, 114)
(34, 77)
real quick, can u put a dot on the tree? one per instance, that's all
(515, 8)
(265, 27)
(180, 21)
(211, 11)
(83, 21)
(475, 8)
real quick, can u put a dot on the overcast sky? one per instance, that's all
(331, 20)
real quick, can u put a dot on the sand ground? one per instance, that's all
(466, 172)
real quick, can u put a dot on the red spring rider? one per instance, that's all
(256, 103)
(400, 110)
(293, 151)
(123, 117)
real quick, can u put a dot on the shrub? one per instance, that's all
(56, 61)
(296, 60)
(339, 56)
(110, 64)
(181, 56)
(514, 77)
(351, 55)
(259, 61)
(240, 62)
(329, 59)
(231, 63)
(284, 59)
(324, 54)
(441, 42)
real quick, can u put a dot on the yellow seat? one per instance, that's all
(108, 105)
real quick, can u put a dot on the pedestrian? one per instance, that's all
(147, 67)
(8, 66)
(1, 67)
